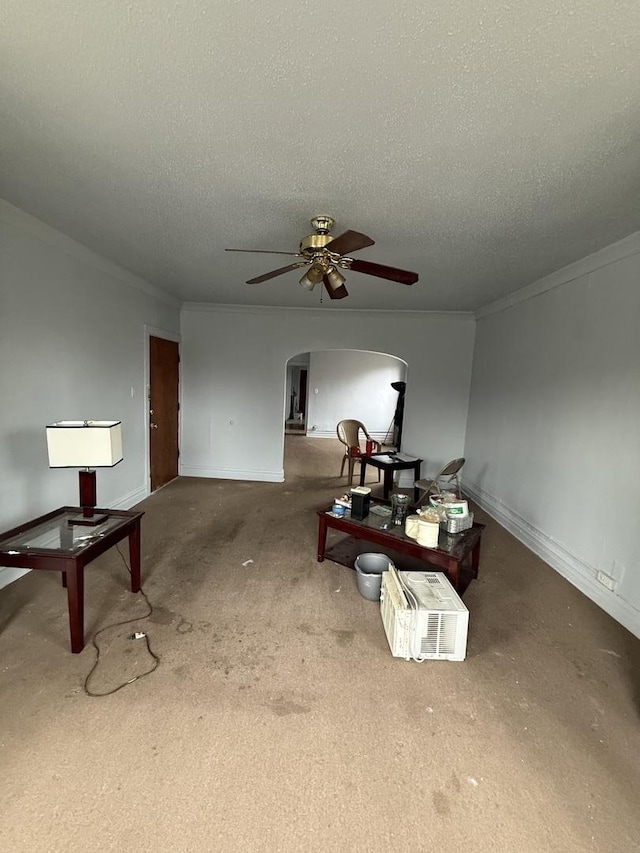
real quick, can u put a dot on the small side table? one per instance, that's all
(389, 463)
(51, 543)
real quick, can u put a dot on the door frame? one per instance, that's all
(155, 332)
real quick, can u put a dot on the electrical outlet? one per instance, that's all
(606, 580)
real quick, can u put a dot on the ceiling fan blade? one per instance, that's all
(274, 273)
(338, 293)
(264, 252)
(380, 270)
(348, 242)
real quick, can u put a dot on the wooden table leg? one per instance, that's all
(322, 537)
(75, 595)
(416, 477)
(475, 559)
(134, 556)
(453, 573)
(363, 468)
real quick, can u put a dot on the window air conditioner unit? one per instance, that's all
(423, 616)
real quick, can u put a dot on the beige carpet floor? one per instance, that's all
(278, 720)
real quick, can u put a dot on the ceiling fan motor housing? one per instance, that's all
(314, 243)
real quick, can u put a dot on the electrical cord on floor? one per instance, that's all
(156, 659)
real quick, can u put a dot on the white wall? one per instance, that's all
(72, 346)
(234, 380)
(347, 384)
(552, 437)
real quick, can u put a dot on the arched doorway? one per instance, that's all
(338, 384)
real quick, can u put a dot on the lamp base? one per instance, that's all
(87, 520)
(88, 501)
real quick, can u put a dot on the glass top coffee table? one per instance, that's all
(52, 543)
(457, 554)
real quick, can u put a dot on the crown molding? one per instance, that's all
(219, 308)
(604, 257)
(15, 217)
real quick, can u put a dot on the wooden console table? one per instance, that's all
(51, 543)
(457, 554)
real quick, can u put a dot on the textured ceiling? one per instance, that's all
(481, 144)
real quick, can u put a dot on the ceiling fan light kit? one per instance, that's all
(335, 278)
(324, 254)
(310, 279)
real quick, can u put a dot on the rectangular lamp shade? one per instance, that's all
(84, 444)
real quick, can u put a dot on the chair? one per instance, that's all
(448, 476)
(349, 432)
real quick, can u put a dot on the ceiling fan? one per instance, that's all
(325, 256)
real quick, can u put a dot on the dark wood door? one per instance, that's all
(164, 363)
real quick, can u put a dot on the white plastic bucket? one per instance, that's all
(369, 569)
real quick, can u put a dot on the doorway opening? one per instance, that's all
(327, 386)
(296, 380)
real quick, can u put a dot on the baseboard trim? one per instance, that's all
(331, 433)
(579, 573)
(233, 474)
(131, 499)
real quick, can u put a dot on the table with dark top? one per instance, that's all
(389, 463)
(457, 554)
(51, 543)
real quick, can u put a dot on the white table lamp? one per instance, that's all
(86, 445)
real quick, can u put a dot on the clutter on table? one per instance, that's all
(399, 508)
(355, 503)
(451, 513)
(444, 512)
